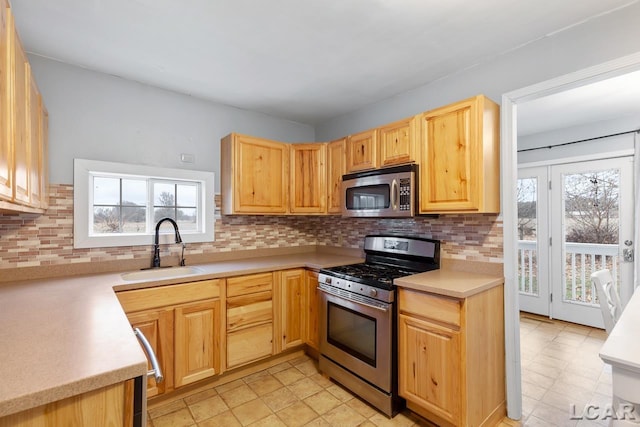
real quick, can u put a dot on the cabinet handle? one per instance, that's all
(156, 372)
(395, 194)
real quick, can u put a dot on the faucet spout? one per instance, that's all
(156, 242)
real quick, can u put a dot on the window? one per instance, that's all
(117, 204)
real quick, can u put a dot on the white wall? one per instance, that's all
(605, 38)
(539, 142)
(101, 117)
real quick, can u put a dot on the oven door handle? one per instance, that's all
(383, 309)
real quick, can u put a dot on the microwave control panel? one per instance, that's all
(405, 194)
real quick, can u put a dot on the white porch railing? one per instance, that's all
(582, 259)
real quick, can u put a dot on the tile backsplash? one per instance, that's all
(28, 240)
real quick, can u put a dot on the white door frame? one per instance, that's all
(509, 170)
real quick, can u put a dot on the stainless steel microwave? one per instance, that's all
(388, 192)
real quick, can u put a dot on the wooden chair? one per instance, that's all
(609, 298)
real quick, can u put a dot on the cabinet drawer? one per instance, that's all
(244, 285)
(161, 296)
(430, 306)
(249, 310)
(249, 344)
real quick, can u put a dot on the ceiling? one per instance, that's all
(609, 99)
(298, 60)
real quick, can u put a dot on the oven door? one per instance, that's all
(357, 336)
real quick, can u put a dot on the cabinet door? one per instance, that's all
(362, 151)
(450, 158)
(22, 160)
(312, 332)
(336, 167)
(197, 343)
(292, 284)
(34, 141)
(111, 405)
(460, 158)
(429, 367)
(249, 310)
(398, 142)
(308, 178)
(156, 325)
(6, 150)
(44, 151)
(254, 175)
(250, 344)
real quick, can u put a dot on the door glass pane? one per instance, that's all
(591, 229)
(352, 332)
(527, 197)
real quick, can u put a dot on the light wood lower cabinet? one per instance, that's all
(108, 406)
(156, 325)
(312, 331)
(197, 342)
(250, 319)
(451, 365)
(292, 288)
(182, 323)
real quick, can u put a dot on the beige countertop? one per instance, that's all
(68, 335)
(65, 336)
(622, 347)
(452, 283)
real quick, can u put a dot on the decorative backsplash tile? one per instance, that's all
(39, 240)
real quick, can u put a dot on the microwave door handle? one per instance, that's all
(395, 194)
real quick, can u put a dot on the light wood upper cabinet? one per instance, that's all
(292, 288)
(197, 351)
(307, 188)
(23, 133)
(398, 142)
(34, 141)
(336, 167)
(460, 160)
(6, 145)
(44, 155)
(362, 151)
(21, 149)
(451, 366)
(254, 175)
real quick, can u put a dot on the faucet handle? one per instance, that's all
(182, 263)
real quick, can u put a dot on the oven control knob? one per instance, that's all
(327, 280)
(373, 293)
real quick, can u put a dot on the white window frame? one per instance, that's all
(83, 172)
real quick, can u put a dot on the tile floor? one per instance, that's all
(292, 393)
(560, 367)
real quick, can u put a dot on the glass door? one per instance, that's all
(533, 240)
(592, 217)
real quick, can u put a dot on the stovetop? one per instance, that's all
(376, 275)
(388, 257)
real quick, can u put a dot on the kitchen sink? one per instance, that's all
(160, 273)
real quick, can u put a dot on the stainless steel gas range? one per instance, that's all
(358, 332)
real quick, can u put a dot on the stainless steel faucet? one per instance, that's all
(156, 244)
